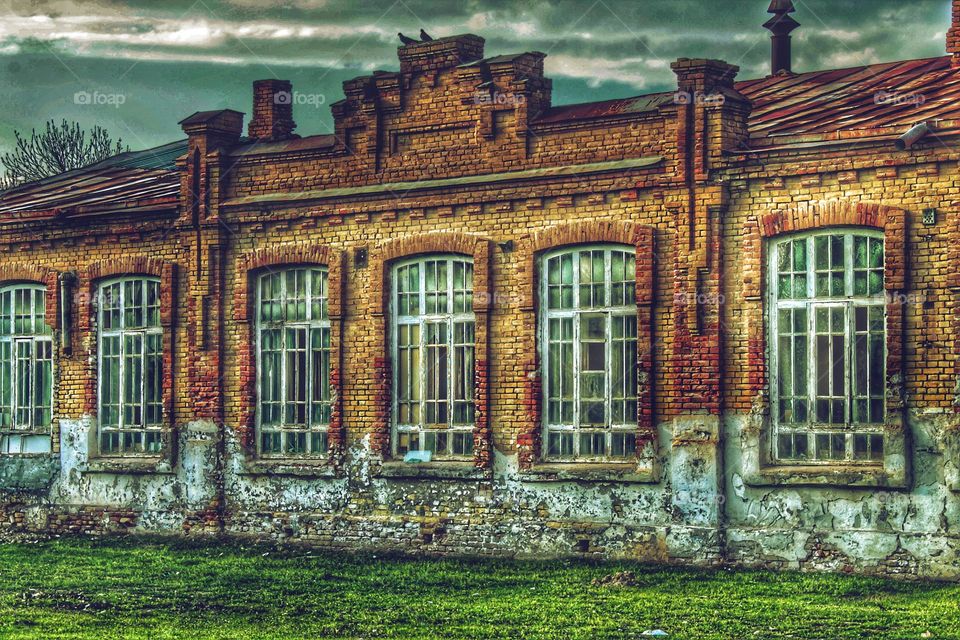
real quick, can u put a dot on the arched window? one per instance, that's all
(434, 340)
(588, 342)
(828, 346)
(294, 399)
(130, 367)
(26, 369)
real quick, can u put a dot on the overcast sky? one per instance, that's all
(145, 64)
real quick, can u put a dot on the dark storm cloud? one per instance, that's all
(170, 58)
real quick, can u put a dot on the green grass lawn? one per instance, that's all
(148, 589)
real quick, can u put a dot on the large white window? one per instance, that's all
(130, 371)
(26, 370)
(293, 362)
(433, 351)
(828, 346)
(588, 334)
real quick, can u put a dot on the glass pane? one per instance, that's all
(295, 377)
(320, 375)
(153, 383)
(270, 376)
(133, 380)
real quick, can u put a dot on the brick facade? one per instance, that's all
(457, 154)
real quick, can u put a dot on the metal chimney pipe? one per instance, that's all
(781, 25)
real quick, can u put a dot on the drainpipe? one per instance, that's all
(914, 135)
(67, 280)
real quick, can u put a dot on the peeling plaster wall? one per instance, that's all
(83, 496)
(869, 530)
(697, 513)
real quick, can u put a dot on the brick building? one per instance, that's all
(718, 324)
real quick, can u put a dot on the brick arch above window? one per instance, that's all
(530, 248)
(382, 258)
(250, 266)
(95, 272)
(284, 256)
(758, 230)
(588, 232)
(389, 251)
(35, 274)
(821, 215)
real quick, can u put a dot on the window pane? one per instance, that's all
(848, 348)
(110, 381)
(590, 352)
(153, 381)
(434, 358)
(295, 391)
(133, 380)
(320, 357)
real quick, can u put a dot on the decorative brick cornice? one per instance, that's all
(640, 237)
(382, 257)
(35, 274)
(250, 266)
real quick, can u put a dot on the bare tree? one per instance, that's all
(58, 149)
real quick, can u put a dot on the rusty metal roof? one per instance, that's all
(893, 94)
(605, 109)
(878, 96)
(137, 180)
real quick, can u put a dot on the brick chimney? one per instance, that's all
(272, 110)
(953, 35)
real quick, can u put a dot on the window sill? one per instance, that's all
(434, 470)
(129, 466)
(589, 472)
(828, 476)
(320, 468)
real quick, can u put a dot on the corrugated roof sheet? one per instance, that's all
(893, 94)
(134, 179)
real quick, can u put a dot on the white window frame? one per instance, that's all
(849, 302)
(284, 430)
(628, 429)
(152, 431)
(18, 437)
(455, 433)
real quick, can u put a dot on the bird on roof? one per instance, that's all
(426, 37)
(405, 40)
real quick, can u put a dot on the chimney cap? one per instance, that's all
(781, 23)
(781, 6)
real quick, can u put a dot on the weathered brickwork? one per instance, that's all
(457, 154)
